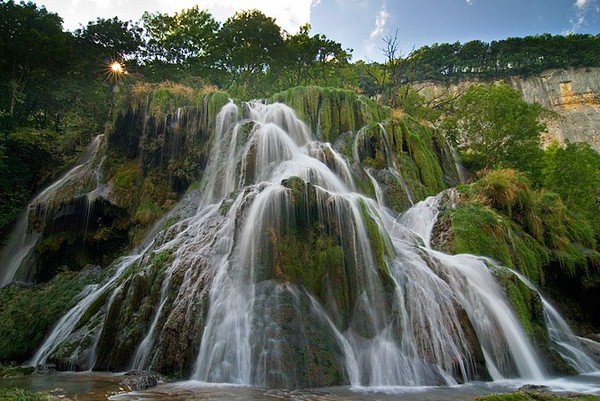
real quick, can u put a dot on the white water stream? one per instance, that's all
(23, 239)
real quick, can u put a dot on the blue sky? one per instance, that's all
(361, 24)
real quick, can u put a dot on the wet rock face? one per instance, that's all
(75, 233)
(293, 347)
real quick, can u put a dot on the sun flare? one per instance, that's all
(115, 70)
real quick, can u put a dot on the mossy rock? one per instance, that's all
(16, 371)
(294, 347)
(528, 395)
(314, 245)
(21, 331)
(330, 112)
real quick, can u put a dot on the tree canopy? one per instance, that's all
(511, 56)
(493, 127)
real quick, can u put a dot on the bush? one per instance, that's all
(27, 314)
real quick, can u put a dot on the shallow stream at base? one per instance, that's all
(104, 386)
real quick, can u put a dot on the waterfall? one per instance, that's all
(23, 238)
(421, 219)
(390, 161)
(566, 342)
(67, 324)
(283, 275)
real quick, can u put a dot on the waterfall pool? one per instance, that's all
(97, 386)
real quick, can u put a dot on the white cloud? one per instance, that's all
(583, 8)
(289, 14)
(470, 2)
(102, 3)
(380, 22)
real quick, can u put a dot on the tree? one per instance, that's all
(309, 60)
(391, 51)
(492, 127)
(111, 38)
(248, 44)
(33, 47)
(185, 38)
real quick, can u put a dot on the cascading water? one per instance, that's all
(392, 167)
(23, 238)
(421, 219)
(285, 276)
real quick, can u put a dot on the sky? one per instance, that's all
(362, 25)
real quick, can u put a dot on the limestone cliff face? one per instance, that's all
(572, 96)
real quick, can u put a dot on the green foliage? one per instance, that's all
(185, 38)
(16, 371)
(330, 112)
(512, 56)
(28, 313)
(491, 126)
(110, 39)
(248, 43)
(573, 172)
(27, 152)
(309, 60)
(19, 394)
(415, 105)
(34, 48)
(500, 216)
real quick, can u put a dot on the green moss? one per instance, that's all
(363, 183)
(477, 229)
(418, 139)
(147, 212)
(19, 394)
(159, 99)
(380, 245)
(53, 242)
(93, 309)
(330, 111)
(307, 262)
(16, 371)
(372, 147)
(125, 175)
(521, 306)
(500, 216)
(161, 258)
(26, 314)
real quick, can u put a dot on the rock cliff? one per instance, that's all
(571, 96)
